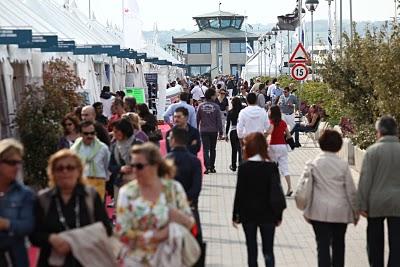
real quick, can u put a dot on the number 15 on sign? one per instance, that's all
(299, 72)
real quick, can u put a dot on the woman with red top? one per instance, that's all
(278, 150)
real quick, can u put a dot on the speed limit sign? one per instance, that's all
(299, 72)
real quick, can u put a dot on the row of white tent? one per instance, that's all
(21, 66)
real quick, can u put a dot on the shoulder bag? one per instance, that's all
(304, 190)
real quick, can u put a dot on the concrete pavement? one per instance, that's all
(294, 240)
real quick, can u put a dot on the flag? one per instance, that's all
(249, 50)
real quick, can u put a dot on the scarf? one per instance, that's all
(88, 159)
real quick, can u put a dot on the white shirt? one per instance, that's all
(197, 93)
(252, 119)
(270, 88)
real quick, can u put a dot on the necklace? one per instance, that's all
(61, 216)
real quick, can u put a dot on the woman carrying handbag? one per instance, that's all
(327, 194)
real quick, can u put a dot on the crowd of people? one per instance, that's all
(109, 156)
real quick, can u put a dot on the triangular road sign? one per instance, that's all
(299, 55)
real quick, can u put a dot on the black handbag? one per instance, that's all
(290, 142)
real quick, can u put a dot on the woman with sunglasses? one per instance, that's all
(65, 206)
(70, 124)
(148, 204)
(16, 206)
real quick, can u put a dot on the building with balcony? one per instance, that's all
(219, 47)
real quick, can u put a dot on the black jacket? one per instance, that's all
(101, 133)
(259, 197)
(193, 134)
(188, 172)
(49, 223)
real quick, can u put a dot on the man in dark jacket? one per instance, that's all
(210, 125)
(193, 144)
(188, 170)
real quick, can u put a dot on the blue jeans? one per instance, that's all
(267, 231)
(300, 128)
(209, 141)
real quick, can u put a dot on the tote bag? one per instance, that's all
(304, 189)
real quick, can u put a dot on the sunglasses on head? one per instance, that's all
(139, 166)
(61, 168)
(11, 162)
(88, 133)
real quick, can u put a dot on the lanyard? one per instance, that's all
(61, 216)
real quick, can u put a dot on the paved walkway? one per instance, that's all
(294, 240)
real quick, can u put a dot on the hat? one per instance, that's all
(8, 143)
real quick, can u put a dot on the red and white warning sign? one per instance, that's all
(299, 72)
(299, 55)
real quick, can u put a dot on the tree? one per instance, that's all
(39, 116)
(365, 79)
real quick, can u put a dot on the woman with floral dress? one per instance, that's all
(148, 204)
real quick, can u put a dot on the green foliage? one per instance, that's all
(319, 93)
(40, 114)
(366, 80)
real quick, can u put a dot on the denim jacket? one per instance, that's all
(17, 206)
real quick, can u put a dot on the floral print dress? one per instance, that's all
(136, 215)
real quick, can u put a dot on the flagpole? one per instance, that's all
(90, 10)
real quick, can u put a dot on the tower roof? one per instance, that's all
(218, 14)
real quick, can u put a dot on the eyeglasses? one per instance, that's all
(139, 166)
(88, 133)
(62, 168)
(11, 162)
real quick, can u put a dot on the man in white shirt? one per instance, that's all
(197, 92)
(252, 118)
(271, 87)
(95, 155)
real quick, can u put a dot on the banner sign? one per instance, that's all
(141, 56)
(41, 41)
(125, 53)
(163, 62)
(137, 93)
(61, 46)
(151, 59)
(96, 49)
(15, 36)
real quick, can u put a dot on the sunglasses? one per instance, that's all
(62, 168)
(139, 166)
(68, 124)
(88, 133)
(11, 162)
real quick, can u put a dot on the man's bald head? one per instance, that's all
(88, 113)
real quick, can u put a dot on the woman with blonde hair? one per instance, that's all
(16, 202)
(67, 204)
(134, 119)
(148, 204)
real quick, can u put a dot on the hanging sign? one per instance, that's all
(41, 41)
(61, 46)
(151, 59)
(96, 49)
(8, 36)
(299, 55)
(137, 93)
(141, 56)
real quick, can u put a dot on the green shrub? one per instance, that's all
(39, 116)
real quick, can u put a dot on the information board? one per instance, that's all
(137, 93)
